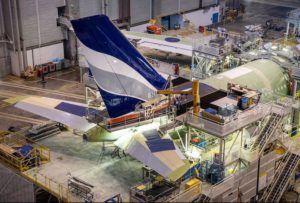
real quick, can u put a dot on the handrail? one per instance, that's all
(50, 185)
(38, 155)
(107, 125)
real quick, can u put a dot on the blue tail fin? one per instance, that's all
(122, 74)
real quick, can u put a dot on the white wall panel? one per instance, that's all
(139, 28)
(206, 3)
(48, 53)
(39, 16)
(202, 17)
(140, 11)
(165, 7)
(29, 58)
(113, 9)
(189, 5)
(89, 8)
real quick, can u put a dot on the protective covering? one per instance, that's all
(25, 150)
(160, 154)
(162, 42)
(264, 75)
(124, 77)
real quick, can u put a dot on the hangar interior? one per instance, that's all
(149, 100)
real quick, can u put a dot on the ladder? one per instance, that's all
(281, 179)
(266, 132)
(202, 198)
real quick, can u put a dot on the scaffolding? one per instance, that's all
(27, 164)
(294, 20)
(49, 185)
(275, 190)
(10, 152)
(206, 60)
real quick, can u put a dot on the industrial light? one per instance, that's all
(193, 153)
(285, 49)
(154, 125)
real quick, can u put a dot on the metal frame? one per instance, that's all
(201, 64)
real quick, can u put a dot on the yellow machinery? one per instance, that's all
(9, 143)
(194, 91)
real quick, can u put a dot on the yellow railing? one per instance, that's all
(48, 184)
(38, 155)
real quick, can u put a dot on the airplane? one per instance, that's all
(129, 87)
(175, 45)
(125, 79)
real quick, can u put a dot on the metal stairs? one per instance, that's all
(202, 198)
(266, 132)
(39, 132)
(281, 179)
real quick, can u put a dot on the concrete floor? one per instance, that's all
(69, 153)
(61, 85)
(110, 176)
(259, 11)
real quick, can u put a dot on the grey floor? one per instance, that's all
(259, 11)
(69, 153)
(61, 85)
(110, 176)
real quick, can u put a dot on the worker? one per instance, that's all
(84, 138)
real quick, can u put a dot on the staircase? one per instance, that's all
(281, 179)
(266, 132)
(202, 198)
(40, 132)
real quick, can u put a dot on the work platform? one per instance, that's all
(236, 123)
(69, 154)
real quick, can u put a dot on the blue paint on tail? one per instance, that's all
(118, 105)
(99, 34)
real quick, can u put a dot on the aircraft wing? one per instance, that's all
(165, 43)
(160, 154)
(68, 113)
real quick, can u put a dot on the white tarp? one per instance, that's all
(165, 163)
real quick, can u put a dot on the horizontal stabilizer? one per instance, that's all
(68, 113)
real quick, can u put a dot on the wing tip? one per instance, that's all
(14, 100)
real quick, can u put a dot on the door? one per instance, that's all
(215, 18)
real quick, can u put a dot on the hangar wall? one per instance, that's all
(5, 66)
(32, 24)
(14, 188)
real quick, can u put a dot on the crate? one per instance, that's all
(45, 68)
(58, 65)
(51, 67)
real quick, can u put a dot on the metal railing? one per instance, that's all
(50, 185)
(37, 156)
(141, 118)
(238, 121)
